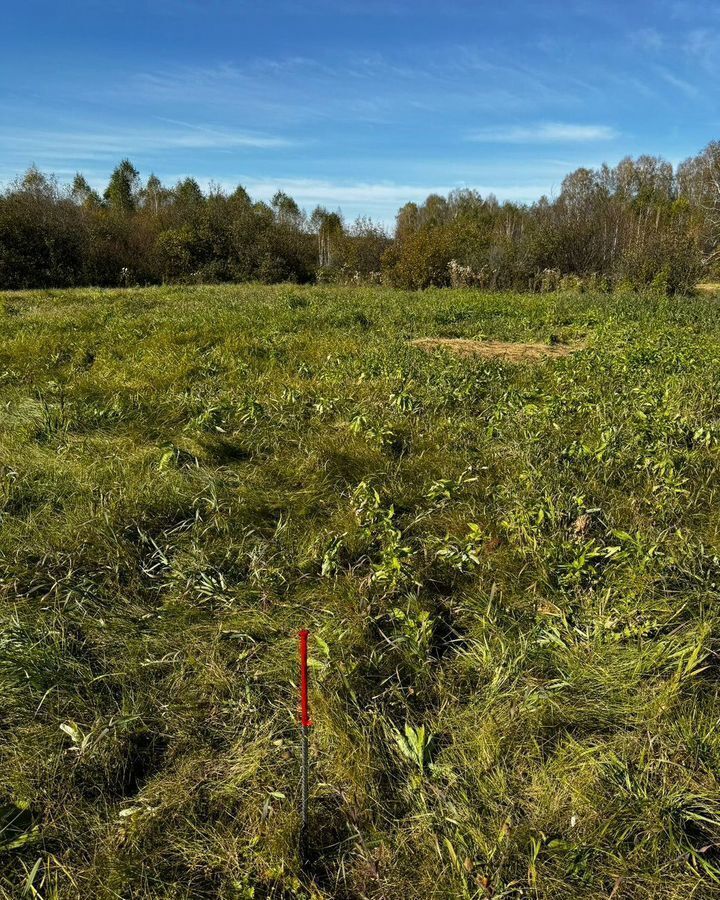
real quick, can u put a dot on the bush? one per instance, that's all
(669, 262)
(420, 261)
(175, 251)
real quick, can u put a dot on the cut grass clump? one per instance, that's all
(506, 351)
(510, 572)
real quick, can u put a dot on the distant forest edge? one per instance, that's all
(638, 225)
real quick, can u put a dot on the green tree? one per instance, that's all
(121, 192)
(286, 209)
(330, 232)
(188, 195)
(154, 195)
(82, 194)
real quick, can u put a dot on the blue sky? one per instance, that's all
(355, 104)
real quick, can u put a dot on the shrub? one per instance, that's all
(419, 261)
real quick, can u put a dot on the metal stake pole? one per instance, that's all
(304, 799)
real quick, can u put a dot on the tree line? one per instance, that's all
(639, 224)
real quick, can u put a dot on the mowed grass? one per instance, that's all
(511, 573)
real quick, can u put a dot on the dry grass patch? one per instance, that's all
(504, 350)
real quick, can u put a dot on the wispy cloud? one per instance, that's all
(190, 135)
(703, 47)
(90, 142)
(680, 84)
(544, 133)
(354, 88)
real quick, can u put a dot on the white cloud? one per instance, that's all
(702, 46)
(679, 83)
(91, 142)
(352, 87)
(544, 133)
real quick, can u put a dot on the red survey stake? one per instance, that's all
(305, 723)
(304, 708)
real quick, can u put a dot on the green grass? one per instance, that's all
(511, 574)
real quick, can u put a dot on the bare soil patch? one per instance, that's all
(507, 351)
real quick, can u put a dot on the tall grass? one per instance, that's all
(511, 575)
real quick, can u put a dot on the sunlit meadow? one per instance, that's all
(510, 571)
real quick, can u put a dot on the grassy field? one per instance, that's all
(511, 571)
